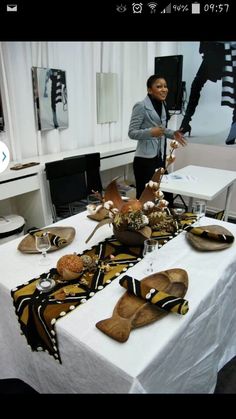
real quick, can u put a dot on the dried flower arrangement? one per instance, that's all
(148, 213)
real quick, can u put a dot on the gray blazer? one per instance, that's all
(143, 118)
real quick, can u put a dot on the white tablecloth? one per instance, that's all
(177, 354)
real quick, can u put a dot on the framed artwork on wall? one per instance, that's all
(50, 98)
(209, 98)
(107, 93)
(1, 115)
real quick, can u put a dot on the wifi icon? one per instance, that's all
(152, 6)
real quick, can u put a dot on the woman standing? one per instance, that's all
(148, 125)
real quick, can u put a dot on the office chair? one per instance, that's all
(93, 176)
(67, 183)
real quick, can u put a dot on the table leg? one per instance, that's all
(126, 172)
(227, 201)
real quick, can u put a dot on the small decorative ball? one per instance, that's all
(69, 266)
(89, 262)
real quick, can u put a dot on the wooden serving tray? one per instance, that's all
(204, 244)
(131, 312)
(27, 245)
(24, 166)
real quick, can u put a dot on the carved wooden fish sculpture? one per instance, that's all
(131, 311)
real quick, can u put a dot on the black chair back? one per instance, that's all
(94, 182)
(67, 180)
(93, 176)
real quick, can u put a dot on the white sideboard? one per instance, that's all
(26, 192)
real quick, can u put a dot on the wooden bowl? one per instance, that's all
(132, 238)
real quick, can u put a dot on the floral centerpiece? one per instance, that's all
(133, 221)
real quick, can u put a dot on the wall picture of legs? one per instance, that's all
(50, 98)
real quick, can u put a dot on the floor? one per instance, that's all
(226, 380)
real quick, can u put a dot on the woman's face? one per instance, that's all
(159, 89)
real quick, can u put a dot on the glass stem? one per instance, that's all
(150, 269)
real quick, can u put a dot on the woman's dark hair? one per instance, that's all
(151, 80)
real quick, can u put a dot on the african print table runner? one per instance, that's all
(37, 311)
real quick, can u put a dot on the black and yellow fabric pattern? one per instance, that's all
(152, 295)
(38, 312)
(204, 233)
(54, 239)
(182, 223)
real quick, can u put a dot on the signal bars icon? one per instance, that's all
(152, 6)
(167, 9)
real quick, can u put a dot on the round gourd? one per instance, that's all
(70, 266)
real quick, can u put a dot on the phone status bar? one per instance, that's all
(153, 8)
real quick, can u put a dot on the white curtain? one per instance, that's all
(132, 61)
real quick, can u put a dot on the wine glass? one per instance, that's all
(178, 211)
(150, 245)
(42, 244)
(199, 209)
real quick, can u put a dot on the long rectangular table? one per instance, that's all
(202, 183)
(177, 354)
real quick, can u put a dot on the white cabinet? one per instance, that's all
(25, 192)
(18, 186)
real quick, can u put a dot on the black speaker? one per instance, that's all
(170, 67)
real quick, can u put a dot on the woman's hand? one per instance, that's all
(157, 131)
(178, 136)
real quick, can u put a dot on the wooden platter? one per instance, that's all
(27, 245)
(204, 244)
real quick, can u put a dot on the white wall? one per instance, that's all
(81, 61)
